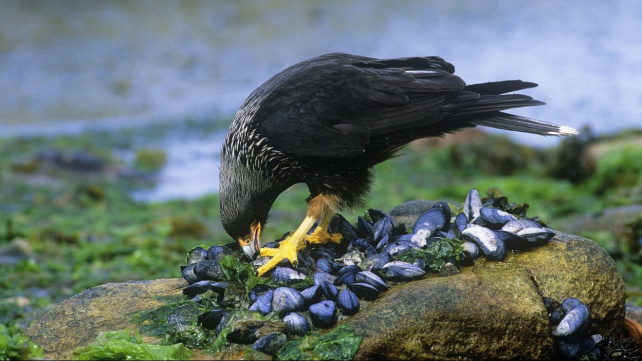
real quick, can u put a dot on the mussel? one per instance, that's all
(296, 323)
(287, 299)
(348, 302)
(263, 303)
(401, 271)
(323, 314)
(491, 246)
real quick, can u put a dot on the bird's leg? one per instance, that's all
(321, 234)
(320, 208)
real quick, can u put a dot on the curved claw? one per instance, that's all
(287, 250)
(320, 208)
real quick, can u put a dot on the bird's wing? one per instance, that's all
(340, 104)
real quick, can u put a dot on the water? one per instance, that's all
(191, 170)
(68, 66)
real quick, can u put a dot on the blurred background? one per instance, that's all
(70, 66)
(112, 115)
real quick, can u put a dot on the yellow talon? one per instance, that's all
(320, 208)
(322, 236)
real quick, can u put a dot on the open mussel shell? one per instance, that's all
(287, 299)
(519, 224)
(195, 255)
(472, 205)
(376, 215)
(271, 343)
(263, 303)
(537, 236)
(364, 227)
(491, 246)
(399, 246)
(211, 319)
(323, 314)
(375, 263)
(371, 279)
(382, 229)
(199, 287)
(383, 242)
(217, 252)
(340, 225)
(513, 241)
(362, 245)
(574, 321)
(296, 323)
(471, 249)
(570, 303)
(287, 275)
(227, 317)
(434, 219)
(245, 332)
(188, 273)
(401, 271)
(495, 218)
(461, 222)
(209, 269)
(364, 291)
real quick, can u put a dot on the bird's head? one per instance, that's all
(245, 201)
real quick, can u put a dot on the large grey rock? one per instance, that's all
(493, 310)
(78, 320)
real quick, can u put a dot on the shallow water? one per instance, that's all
(69, 66)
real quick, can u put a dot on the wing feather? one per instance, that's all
(338, 110)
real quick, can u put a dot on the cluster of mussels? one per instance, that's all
(359, 269)
(570, 321)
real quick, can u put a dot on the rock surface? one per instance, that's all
(492, 310)
(78, 320)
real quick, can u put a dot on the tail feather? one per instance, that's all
(522, 124)
(488, 103)
(487, 109)
(499, 87)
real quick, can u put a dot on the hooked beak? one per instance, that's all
(252, 246)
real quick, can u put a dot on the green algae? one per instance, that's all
(128, 345)
(338, 344)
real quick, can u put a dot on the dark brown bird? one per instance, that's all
(327, 120)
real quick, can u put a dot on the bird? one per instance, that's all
(328, 120)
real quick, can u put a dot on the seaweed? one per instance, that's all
(339, 344)
(128, 345)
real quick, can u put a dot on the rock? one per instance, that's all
(624, 222)
(493, 310)
(78, 320)
(16, 251)
(407, 213)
